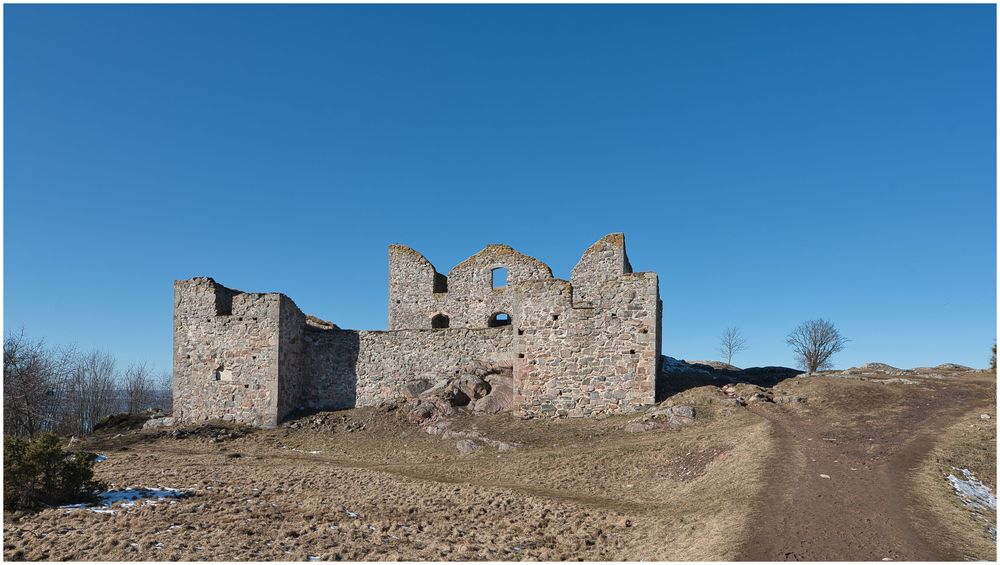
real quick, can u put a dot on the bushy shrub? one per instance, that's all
(38, 473)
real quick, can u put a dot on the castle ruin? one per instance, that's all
(587, 346)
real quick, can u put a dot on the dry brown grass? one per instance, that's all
(576, 489)
(969, 443)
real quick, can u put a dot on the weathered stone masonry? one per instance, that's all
(577, 348)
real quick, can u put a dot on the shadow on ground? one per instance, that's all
(677, 376)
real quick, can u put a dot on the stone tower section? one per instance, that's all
(232, 350)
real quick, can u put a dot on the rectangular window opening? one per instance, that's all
(499, 277)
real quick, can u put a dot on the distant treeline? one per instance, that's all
(65, 391)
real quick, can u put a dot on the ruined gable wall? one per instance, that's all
(603, 261)
(416, 290)
(578, 361)
(472, 300)
(346, 368)
(225, 353)
(412, 282)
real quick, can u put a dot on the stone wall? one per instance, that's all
(293, 384)
(225, 353)
(265, 360)
(347, 368)
(582, 360)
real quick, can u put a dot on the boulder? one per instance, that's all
(413, 389)
(438, 388)
(671, 416)
(639, 426)
(880, 367)
(472, 386)
(158, 423)
(505, 446)
(420, 410)
(466, 446)
(683, 411)
(953, 367)
(789, 399)
(500, 397)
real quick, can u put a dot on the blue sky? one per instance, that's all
(772, 163)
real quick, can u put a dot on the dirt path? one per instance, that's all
(838, 489)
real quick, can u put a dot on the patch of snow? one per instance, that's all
(313, 558)
(972, 491)
(110, 497)
(129, 497)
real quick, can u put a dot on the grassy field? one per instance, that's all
(365, 484)
(575, 489)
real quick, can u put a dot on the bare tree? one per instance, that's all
(137, 388)
(814, 343)
(731, 342)
(91, 392)
(35, 377)
(163, 393)
(50, 389)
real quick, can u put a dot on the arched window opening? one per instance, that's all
(440, 321)
(499, 319)
(499, 277)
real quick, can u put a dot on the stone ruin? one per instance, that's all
(583, 347)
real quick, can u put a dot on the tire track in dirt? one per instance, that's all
(841, 493)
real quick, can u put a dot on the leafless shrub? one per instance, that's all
(47, 389)
(35, 377)
(163, 394)
(814, 343)
(137, 388)
(92, 392)
(731, 342)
